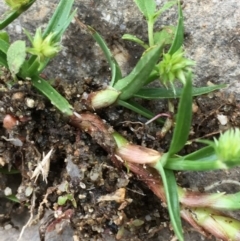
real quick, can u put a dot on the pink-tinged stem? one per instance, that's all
(194, 205)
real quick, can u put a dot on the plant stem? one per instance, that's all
(101, 133)
(31, 71)
(150, 32)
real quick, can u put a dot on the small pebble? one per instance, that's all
(148, 218)
(9, 122)
(7, 191)
(222, 119)
(7, 226)
(30, 102)
(82, 185)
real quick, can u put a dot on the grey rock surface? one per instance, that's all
(212, 30)
(211, 27)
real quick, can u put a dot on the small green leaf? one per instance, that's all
(163, 93)
(56, 99)
(146, 7)
(179, 34)
(132, 83)
(133, 38)
(171, 192)
(16, 56)
(115, 69)
(184, 118)
(166, 35)
(62, 200)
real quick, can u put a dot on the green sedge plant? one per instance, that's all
(163, 59)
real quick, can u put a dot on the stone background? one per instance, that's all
(212, 29)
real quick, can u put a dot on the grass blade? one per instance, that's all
(132, 83)
(12, 198)
(137, 108)
(115, 69)
(3, 60)
(56, 99)
(4, 46)
(15, 14)
(205, 153)
(178, 38)
(163, 93)
(171, 192)
(184, 118)
(60, 18)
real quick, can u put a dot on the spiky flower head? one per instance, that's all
(173, 67)
(43, 47)
(16, 4)
(227, 147)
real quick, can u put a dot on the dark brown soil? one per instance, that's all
(81, 168)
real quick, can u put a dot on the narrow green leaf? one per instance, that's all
(4, 46)
(164, 8)
(163, 93)
(64, 26)
(4, 36)
(190, 165)
(133, 38)
(184, 118)
(16, 55)
(61, 17)
(56, 99)
(3, 59)
(115, 69)
(12, 198)
(146, 7)
(205, 153)
(137, 108)
(132, 83)
(204, 159)
(171, 192)
(14, 14)
(179, 34)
